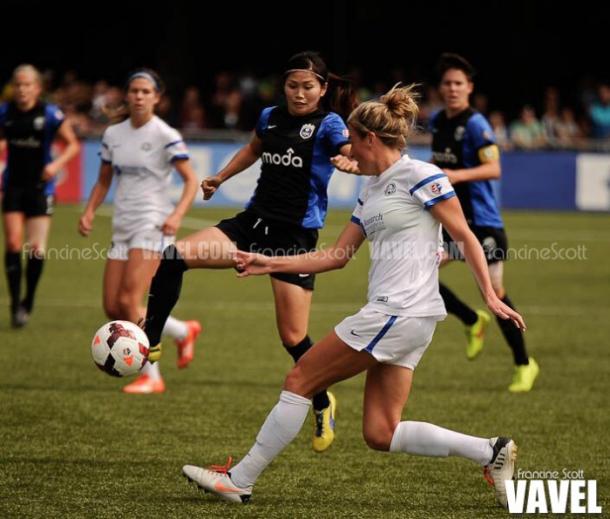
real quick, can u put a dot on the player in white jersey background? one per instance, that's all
(141, 152)
(400, 212)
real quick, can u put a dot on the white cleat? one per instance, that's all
(501, 467)
(217, 480)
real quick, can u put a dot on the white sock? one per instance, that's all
(174, 328)
(152, 370)
(426, 439)
(282, 425)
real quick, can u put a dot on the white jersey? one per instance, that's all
(406, 239)
(142, 162)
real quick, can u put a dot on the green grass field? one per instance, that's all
(72, 445)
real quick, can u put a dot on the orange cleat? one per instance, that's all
(186, 346)
(144, 385)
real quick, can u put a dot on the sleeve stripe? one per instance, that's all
(179, 157)
(172, 143)
(105, 145)
(360, 202)
(106, 161)
(438, 199)
(425, 181)
(357, 221)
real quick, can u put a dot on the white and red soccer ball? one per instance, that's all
(120, 348)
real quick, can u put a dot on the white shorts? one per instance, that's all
(391, 339)
(151, 240)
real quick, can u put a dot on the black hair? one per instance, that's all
(340, 95)
(143, 72)
(449, 60)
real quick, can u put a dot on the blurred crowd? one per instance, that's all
(233, 103)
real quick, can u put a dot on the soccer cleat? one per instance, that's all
(324, 430)
(154, 353)
(186, 346)
(217, 479)
(524, 377)
(144, 385)
(475, 335)
(501, 467)
(20, 317)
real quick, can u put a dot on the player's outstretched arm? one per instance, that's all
(242, 160)
(333, 258)
(449, 214)
(97, 196)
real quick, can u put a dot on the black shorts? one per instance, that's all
(251, 233)
(31, 201)
(492, 239)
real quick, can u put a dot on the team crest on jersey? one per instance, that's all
(307, 131)
(39, 123)
(390, 189)
(436, 188)
(459, 133)
(147, 146)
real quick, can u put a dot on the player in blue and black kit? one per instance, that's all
(28, 127)
(464, 146)
(295, 142)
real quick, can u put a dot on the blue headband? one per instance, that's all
(144, 75)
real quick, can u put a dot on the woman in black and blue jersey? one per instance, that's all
(464, 146)
(296, 143)
(28, 127)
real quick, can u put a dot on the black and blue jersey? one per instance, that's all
(296, 167)
(29, 136)
(456, 143)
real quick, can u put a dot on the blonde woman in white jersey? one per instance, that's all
(142, 151)
(400, 211)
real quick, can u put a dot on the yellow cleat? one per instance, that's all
(324, 430)
(154, 353)
(476, 335)
(524, 377)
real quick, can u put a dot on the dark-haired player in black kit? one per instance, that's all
(295, 142)
(464, 146)
(28, 127)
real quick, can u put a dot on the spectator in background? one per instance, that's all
(251, 104)
(599, 112)
(550, 117)
(527, 132)
(480, 102)
(226, 101)
(166, 111)
(498, 125)
(431, 105)
(192, 113)
(568, 131)
(99, 100)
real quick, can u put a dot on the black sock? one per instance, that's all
(32, 276)
(457, 307)
(12, 265)
(320, 400)
(164, 293)
(513, 336)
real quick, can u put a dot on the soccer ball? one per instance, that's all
(120, 348)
